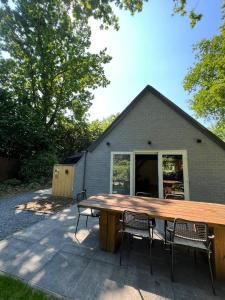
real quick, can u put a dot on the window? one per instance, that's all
(121, 173)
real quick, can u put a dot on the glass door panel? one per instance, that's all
(121, 174)
(173, 176)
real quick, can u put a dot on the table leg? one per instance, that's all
(109, 226)
(219, 252)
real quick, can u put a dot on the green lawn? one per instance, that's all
(13, 289)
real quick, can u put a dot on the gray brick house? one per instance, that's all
(155, 148)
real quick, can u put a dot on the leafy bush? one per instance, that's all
(3, 187)
(12, 181)
(38, 167)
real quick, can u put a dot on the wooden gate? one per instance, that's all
(63, 180)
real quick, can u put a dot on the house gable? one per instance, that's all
(150, 90)
(151, 118)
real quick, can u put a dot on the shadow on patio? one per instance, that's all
(48, 256)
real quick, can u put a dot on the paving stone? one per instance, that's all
(61, 273)
(27, 262)
(91, 284)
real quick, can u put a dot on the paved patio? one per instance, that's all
(48, 256)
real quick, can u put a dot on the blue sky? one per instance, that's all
(153, 47)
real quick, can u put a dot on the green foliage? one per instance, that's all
(97, 127)
(219, 129)
(38, 167)
(46, 81)
(49, 68)
(12, 181)
(180, 8)
(71, 137)
(20, 187)
(206, 81)
(121, 170)
(21, 131)
(103, 10)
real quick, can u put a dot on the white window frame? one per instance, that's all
(131, 169)
(160, 153)
(185, 170)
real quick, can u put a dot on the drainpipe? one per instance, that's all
(84, 171)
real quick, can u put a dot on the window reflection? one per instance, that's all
(121, 174)
(173, 177)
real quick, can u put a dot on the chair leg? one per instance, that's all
(211, 273)
(121, 246)
(86, 221)
(77, 224)
(152, 236)
(165, 236)
(150, 253)
(195, 256)
(172, 262)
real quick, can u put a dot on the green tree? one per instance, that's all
(49, 63)
(205, 81)
(103, 10)
(21, 131)
(97, 127)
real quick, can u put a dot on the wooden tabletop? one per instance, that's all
(213, 214)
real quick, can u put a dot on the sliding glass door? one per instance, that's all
(130, 173)
(173, 174)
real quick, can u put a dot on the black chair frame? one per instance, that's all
(82, 196)
(140, 222)
(181, 229)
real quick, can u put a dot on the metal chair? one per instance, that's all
(88, 212)
(143, 194)
(139, 225)
(169, 224)
(195, 235)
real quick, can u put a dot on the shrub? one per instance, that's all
(3, 187)
(37, 167)
(12, 181)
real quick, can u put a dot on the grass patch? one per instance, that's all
(14, 289)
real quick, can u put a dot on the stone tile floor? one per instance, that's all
(48, 256)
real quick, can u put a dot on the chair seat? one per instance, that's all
(137, 232)
(90, 212)
(190, 243)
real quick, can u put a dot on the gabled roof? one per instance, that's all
(166, 101)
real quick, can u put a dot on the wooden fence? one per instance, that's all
(9, 168)
(63, 180)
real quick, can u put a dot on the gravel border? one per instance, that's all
(12, 220)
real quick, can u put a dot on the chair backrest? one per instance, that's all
(194, 231)
(136, 220)
(81, 196)
(175, 196)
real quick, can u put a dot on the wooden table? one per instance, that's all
(112, 206)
